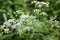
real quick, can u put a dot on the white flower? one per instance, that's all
(43, 14)
(13, 26)
(28, 28)
(48, 3)
(9, 23)
(42, 3)
(55, 23)
(6, 30)
(19, 12)
(58, 26)
(11, 20)
(33, 2)
(19, 23)
(24, 16)
(36, 10)
(37, 3)
(45, 3)
(39, 6)
(6, 24)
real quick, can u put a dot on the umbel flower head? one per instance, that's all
(8, 25)
(40, 4)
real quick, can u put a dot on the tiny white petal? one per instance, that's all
(6, 30)
(13, 26)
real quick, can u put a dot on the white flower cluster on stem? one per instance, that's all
(12, 24)
(40, 4)
(55, 23)
(23, 17)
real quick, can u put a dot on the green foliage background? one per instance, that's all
(46, 32)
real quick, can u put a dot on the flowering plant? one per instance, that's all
(29, 20)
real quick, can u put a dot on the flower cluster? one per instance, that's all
(23, 17)
(19, 12)
(55, 24)
(36, 10)
(12, 24)
(40, 4)
(43, 14)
